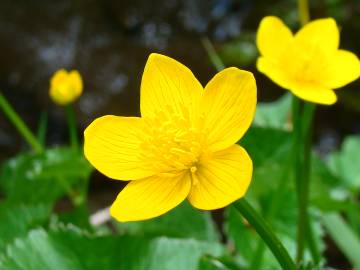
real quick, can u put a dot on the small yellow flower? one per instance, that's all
(183, 146)
(309, 63)
(65, 87)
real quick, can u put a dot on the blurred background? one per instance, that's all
(109, 42)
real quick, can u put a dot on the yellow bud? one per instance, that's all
(65, 87)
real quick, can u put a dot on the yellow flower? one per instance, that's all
(309, 63)
(183, 146)
(65, 87)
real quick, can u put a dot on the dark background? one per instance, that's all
(109, 42)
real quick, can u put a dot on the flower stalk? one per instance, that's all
(214, 57)
(303, 177)
(304, 15)
(70, 114)
(20, 125)
(266, 233)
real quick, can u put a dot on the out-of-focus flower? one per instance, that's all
(65, 87)
(184, 144)
(309, 63)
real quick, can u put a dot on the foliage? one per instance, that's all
(346, 163)
(184, 238)
(45, 177)
(71, 248)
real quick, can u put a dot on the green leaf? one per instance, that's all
(274, 114)
(326, 191)
(266, 145)
(71, 249)
(17, 220)
(344, 237)
(40, 178)
(183, 222)
(270, 149)
(212, 263)
(345, 164)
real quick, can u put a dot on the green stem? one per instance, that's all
(303, 180)
(72, 127)
(73, 196)
(296, 141)
(20, 125)
(265, 232)
(83, 191)
(214, 57)
(303, 8)
(79, 198)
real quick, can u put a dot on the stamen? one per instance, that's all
(172, 142)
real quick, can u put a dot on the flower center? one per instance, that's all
(173, 144)
(308, 62)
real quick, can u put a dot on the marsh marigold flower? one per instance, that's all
(65, 87)
(184, 144)
(309, 63)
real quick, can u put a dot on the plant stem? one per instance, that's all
(80, 198)
(214, 57)
(304, 179)
(72, 127)
(296, 141)
(20, 125)
(74, 198)
(265, 232)
(303, 8)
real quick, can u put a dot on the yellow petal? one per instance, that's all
(273, 37)
(322, 34)
(76, 82)
(228, 107)
(112, 146)
(58, 77)
(222, 180)
(315, 94)
(273, 71)
(168, 85)
(343, 69)
(150, 197)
